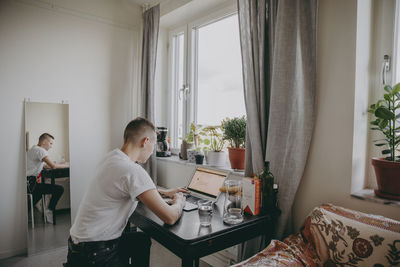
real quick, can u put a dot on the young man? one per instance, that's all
(37, 158)
(96, 237)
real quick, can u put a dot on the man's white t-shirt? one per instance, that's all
(110, 199)
(34, 163)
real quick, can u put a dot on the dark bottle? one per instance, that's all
(267, 188)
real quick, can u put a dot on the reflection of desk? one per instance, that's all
(54, 174)
(189, 241)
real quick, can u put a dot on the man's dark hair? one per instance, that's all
(45, 136)
(137, 128)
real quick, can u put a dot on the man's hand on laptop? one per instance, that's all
(171, 192)
(179, 200)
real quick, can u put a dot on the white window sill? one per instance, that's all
(369, 195)
(177, 160)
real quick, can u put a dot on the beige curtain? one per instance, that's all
(278, 45)
(151, 21)
(292, 108)
(256, 35)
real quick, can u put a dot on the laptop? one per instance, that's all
(205, 184)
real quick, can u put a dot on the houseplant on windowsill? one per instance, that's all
(235, 132)
(188, 142)
(213, 152)
(387, 169)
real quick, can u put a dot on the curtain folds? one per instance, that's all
(255, 61)
(255, 40)
(278, 43)
(151, 21)
(292, 109)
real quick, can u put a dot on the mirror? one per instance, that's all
(47, 175)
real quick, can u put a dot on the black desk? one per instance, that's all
(189, 241)
(54, 174)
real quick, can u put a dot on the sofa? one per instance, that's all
(335, 236)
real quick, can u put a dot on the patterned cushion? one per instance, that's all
(291, 252)
(343, 237)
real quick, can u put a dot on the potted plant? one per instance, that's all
(194, 140)
(214, 146)
(188, 142)
(235, 132)
(387, 168)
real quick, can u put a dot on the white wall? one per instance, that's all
(48, 118)
(328, 173)
(65, 52)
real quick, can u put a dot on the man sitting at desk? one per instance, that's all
(37, 158)
(96, 237)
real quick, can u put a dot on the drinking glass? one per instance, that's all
(205, 212)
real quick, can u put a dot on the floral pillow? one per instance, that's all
(344, 237)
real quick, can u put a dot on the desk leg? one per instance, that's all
(190, 262)
(53, 182)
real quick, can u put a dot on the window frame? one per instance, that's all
(172, 81)
(190, 30)
(396, 45)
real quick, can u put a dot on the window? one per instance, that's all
(206, 74)
(396, 45)
(384, 41)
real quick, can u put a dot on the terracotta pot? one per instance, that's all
(387, 177)
(236, 157)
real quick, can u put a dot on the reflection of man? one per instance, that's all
(97, 237)
(36, 159)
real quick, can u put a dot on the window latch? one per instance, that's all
(385, 68)
(184, 90)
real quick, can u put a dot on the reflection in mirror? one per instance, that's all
(47, 175)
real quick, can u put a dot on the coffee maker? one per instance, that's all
(162, 143)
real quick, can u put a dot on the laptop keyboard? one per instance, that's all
(192, 199)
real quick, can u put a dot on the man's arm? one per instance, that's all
(171, 192)
(167, 213)
(53, 165)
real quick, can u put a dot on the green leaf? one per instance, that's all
(396, 89)
(383, 123)
(375, 122)
(386, 151)
(381, 144)
(384, 113)
(387, 97)
(388, 89)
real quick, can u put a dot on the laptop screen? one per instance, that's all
(207, 182)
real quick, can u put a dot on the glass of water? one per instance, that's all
(205, 212)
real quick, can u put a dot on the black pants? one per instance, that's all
(131, 249)
(39, 189)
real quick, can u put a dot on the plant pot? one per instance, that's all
(184, 147)
(387, 177)
(236, 157)
(217, 159)
(191, 155)
(199, 159)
